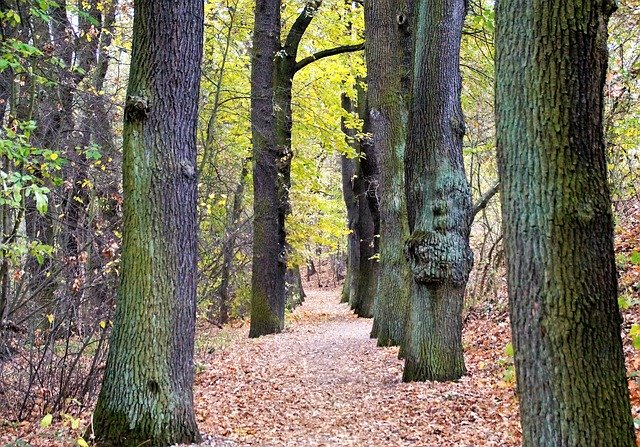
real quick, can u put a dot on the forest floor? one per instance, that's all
(323, 382)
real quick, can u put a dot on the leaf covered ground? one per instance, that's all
(323, 382)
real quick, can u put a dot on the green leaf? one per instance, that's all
(46, 420)
(508, 350)
(41, 200)
(635, 258)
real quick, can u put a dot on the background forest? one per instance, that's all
(63, 72)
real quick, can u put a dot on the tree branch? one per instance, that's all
(327, 53)
(300, 26)
(484, 200)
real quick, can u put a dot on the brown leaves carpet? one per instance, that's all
(323, 382)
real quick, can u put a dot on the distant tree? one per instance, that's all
(360, 190)
(558, 227)
(388, 51)
(146, 397)
(438, 197)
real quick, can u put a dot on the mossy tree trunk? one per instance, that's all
(272, 124)
(557, 219)
(269, 264)
(146, 396)
(388, 50)
(438, 197)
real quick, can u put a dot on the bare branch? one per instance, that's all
(327, 53)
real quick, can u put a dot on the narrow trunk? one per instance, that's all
(388, 51)
(269, 264)
(146, 396)
(438, 197)
(228, 248)
(365, 189)
(558, 226)
(349, 166)
(294, 290)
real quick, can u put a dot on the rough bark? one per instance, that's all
(438, 197)
(348, 170)
(388, 52)
(269, 264)
(365, 188)
(557, 220)
(146, 397)
(272, 82)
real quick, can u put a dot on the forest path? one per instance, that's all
(323, 382)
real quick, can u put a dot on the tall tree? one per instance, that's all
(388, 52)
(146, 397)
(558, 227)
(438, 197)
(273, 69)
(269, 263)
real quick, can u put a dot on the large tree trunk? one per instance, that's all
(388, 51)
(438, 197)
(558, 226)
(269, 263)
(146, 397)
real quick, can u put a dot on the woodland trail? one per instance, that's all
(323, 382)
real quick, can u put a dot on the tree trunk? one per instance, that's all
(366, 190)
(272, 81)
(294, 290)
(269, 264)
(438, 197)
(147, 397)
(557, 219)
(228, 248)
(388, 51)
(349, 166)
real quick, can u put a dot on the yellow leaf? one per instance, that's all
(46, 420)
(50, 318)
(53, 156)
(82, 443)
(75, 424)
(103, 324)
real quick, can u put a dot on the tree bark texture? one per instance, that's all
(557, 220)
(348, 169)
(269, 251)
(364, 278)
(438, 197)
(388, 53)
(146, 397)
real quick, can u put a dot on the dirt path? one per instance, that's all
(323, 382)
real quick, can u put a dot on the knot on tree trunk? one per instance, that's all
(436, 257)
(136, 108)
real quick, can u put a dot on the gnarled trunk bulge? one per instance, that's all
(146, 396)
(388, 51)
(557, 218)
(438, 197)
